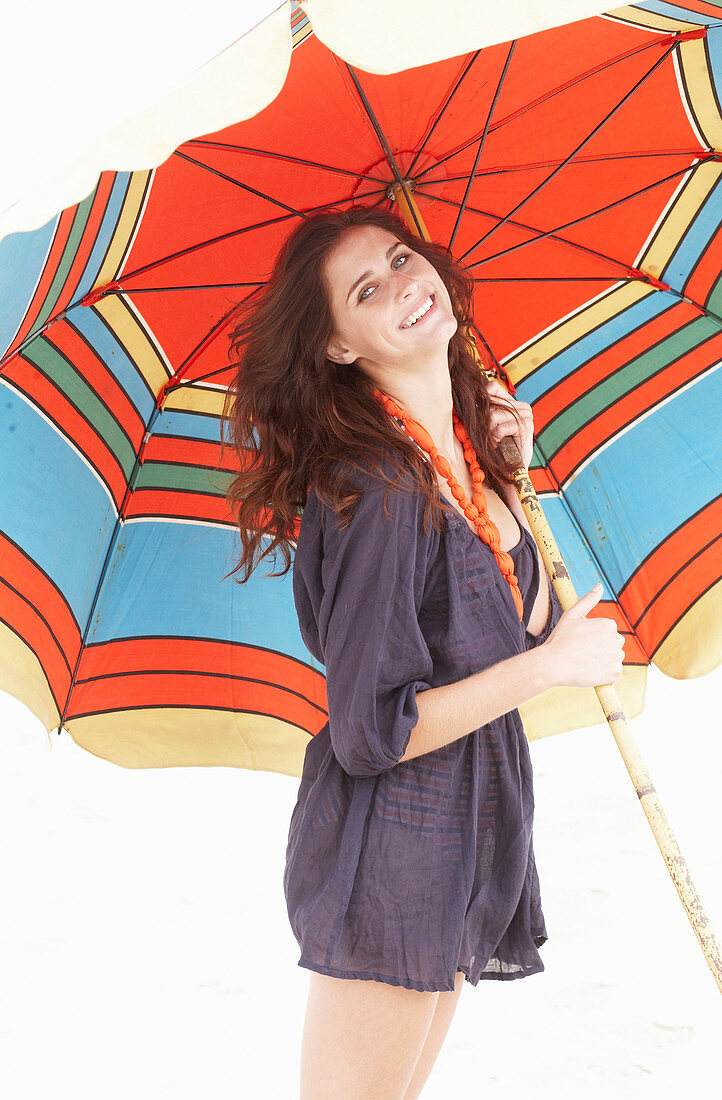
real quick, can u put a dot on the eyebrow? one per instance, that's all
(366, 274)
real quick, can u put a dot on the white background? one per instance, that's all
(70, 72)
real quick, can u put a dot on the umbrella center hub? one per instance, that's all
(419, 173)
(391, 189)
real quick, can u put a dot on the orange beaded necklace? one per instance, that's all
(476, 512)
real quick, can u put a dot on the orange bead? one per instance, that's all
(476, 511)
(422, 436)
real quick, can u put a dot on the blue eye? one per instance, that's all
(399, 256)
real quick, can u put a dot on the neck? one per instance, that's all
(430, 402)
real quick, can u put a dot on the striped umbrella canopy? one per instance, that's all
(575, 171)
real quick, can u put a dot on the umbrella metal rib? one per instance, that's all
(482, 141)
(442, 111)
(286, 157)
(384, 145)
(210, 241)
(543, 99)
(581, 145)
(590, 158)
(237, 183)
(542, 234)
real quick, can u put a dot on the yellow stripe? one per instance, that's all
(567, 333)
(701, 92)
(680, 654)
(679, 216)
(196, 399)
(173, 737)
(22, 676)
(125, 227)
(129, 331)
(301, 33)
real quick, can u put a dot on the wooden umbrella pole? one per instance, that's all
(606, 693)
(609, 700)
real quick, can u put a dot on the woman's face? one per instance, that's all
(376, 287)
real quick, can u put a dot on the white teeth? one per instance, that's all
(413, 317)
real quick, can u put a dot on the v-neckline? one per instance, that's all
(462, 519)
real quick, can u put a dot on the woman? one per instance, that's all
(418, 584)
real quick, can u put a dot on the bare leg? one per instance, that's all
(445, 1009)
(361, 1039)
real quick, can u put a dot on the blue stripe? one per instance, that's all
(22, 258)
(583, 570)
(51, 504)
(595, 342)
(152, 588)
(714, 48)
(189, 425)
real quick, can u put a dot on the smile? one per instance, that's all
(414, 318)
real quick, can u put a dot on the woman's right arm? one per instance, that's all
(579, 652)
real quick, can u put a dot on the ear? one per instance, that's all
(339, 353)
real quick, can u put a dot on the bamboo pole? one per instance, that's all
(606, 693)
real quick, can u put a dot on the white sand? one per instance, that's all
(145, 949)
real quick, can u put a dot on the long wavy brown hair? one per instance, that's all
(297, 418)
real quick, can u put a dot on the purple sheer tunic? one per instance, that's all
(407, 872)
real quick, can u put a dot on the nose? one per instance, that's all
(409, 286)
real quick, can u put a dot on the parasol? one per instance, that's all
(590, 220)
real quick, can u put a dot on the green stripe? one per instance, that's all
(623, 381)
(55, 289)
(194, 479)
(49, 360)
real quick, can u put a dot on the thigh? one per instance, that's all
(440, 1024)
(361, 1038)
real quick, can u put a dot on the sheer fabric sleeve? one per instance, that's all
(555, 612)
(376, 657)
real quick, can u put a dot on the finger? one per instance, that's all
(507, 417)
(505, 426)
(588, 600)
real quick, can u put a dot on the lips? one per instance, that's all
(418, 305)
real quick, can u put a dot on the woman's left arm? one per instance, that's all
(504, 423)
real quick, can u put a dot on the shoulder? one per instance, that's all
(382, 490)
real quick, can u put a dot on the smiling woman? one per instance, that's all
(409, 863)
(310, 352)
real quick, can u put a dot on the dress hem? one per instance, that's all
(374, 976)
(441, 986)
